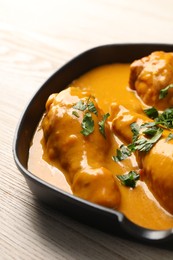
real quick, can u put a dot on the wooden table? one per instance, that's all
(36, 38)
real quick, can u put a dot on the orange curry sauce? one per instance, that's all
(108, 84)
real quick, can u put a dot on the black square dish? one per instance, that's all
(82, 210)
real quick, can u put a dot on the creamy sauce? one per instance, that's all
(108, 84)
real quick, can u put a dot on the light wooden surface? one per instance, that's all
(36, 38)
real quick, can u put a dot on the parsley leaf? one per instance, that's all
(151, 112)
(164, 92)
(151, 131)
(87, 124)
(144, 145)
(80, 105)
(122, 153)
(135, 130)
(75, 114)
(129, 179)
(92, 108)
(169, 137)
(165, 118)
(148, 124)
(102, 124)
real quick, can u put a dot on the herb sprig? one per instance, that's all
(164, 119)
(164, 92)
(102, 124)
(129, 179)
(145, 144)
(122, 153)
(88, 123)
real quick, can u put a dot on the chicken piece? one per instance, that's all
(157, 164)
(80, 156)
(151, 74)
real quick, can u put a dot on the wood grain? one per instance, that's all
(36, 38)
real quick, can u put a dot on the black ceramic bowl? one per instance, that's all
(82, 210)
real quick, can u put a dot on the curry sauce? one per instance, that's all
(109, 85)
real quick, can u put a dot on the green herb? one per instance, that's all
(75, 114)
(80, 105)
(165, 118)
(102, 124)
(92, 108)
(170, 137)
(164, 92)
(151, 112)
(144, 144)
(148, 124)
(129, 179)
(151, 131)
(122, 153)
(135, 130)
(87, 124)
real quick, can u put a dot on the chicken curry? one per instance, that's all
(107, 138)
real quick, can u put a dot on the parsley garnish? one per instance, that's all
(129, 179)
(80, 105)
(141, 144)
(169, 137)
(144, 144)
(122, 153)
(102, 124)
(92, 108)
(89, 105)
(135, 130)
(150, 131)
(166, 118)
(151, 112)
(164, 92)
(144, 138)
(87, 124)
(75, 114)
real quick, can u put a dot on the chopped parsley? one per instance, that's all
(150, 130)
(80, 105)
(144, 138)
(144, 144)
(75, 113)
(102, 124)
(122, 153)
(165, 118)
(88, 107)
(92, 108)
(87, 124)
(135, 130)
(151, 112)
(129, 179)
(169, 137)
(164, 92)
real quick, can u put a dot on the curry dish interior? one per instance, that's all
(109, 85)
